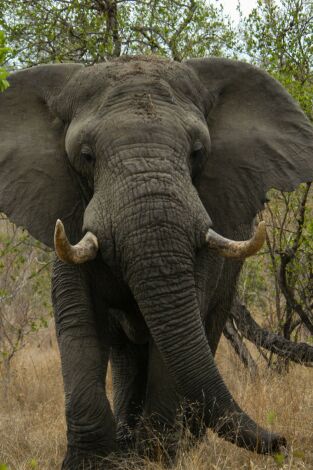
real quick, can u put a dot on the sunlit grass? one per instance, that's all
(32, 425)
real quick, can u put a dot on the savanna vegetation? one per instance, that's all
(267, 353)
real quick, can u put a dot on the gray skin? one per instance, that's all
(147, 153)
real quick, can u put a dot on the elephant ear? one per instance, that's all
(37, 185)
(260, 140)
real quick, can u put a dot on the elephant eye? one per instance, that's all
(197, 158)
(87, 155)
(197, 146)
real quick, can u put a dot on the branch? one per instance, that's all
(287, 256)
(109, 8)
(151, 42)
(300, 353)
(172, 43)
(240, 348)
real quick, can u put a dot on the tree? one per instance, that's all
(91, 31)
(3, 57)
(25, 304)
(279, 38)
(275, 36)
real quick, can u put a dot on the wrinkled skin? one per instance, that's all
(147, 154)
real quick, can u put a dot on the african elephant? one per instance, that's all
(139, 157)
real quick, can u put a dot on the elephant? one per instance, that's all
(152, 173)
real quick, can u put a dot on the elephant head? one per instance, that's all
(140, 156)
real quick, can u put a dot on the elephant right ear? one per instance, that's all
(260, 139)
(37, 185)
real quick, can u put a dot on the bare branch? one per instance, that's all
(239, 347)
(287, 256)
(301, 353)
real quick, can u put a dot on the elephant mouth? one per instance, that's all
(87, 248)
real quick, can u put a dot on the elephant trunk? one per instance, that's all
(158, 263)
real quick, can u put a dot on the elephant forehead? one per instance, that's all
(140, 89)
(112, 81)
(122, 69)
(166, 78)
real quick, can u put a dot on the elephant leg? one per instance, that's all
(221, 304)
(215, 325)
(162, 429)
(90, 422)
(129, 364)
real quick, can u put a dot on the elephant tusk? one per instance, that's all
(85, 250)
(237, 249)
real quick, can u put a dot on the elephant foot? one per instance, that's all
(158, 442)
(77, 460)
(126, 439)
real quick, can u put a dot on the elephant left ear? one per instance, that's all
(260, 140)
(37, 183)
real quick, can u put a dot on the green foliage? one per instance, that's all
(180, 30)
(25, 305)
(3, 466)
(288, 218)
(253, 288)
(271, 417)
(298, 454)
(278, 36)
(92, 31)
(3, 56)
(279, 459)
(33, 464)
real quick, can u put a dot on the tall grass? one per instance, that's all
(33, 432)
(32, 424)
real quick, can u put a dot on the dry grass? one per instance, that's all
(32, 427)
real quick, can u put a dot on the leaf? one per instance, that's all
(3, 466)
(33, 464)
(271, 417)
(74, 31)
(299, 454)
(279, 459)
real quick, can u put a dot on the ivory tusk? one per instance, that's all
(237, 249)
(85, 250)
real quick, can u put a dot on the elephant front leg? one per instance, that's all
(129, 374)
(161, 430)
(90, 422)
